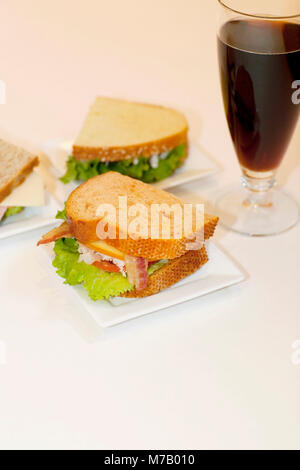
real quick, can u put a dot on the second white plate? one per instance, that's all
(198, 165)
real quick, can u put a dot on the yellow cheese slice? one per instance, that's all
(105, 249)
(29, 194)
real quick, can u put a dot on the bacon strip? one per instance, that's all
(3, 209)
(137, 271)
(63, 231)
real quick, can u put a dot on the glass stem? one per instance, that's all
(258, 188)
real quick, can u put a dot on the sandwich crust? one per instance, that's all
(15, 165)
(153, 249)
(171, 273)
(147, 149)
(83, 220)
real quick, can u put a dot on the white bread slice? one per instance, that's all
(116, 129)
(82, 215)
(15, 165)
(171, 273)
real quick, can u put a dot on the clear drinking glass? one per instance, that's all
(259, 60)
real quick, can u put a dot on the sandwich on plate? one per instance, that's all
(112, 252)
(20, 185)
(143, 141)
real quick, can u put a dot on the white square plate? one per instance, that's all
(197, 165)
(220, 271)
(30, 218)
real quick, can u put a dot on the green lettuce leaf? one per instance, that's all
(13, 211)
(156, 266)
(98, 284)
(82, 171)
(62, 214)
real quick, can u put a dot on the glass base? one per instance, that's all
(257, 214)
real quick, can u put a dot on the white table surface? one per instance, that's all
(216, 372)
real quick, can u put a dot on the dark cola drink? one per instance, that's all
(260, 66)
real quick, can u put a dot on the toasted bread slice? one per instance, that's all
(15, 165)
(85, 200)
(116, 130)
(171, 273)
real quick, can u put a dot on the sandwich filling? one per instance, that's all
(101, 276)
(102, 270)
(100, 260)
(9, 211)
(149, 170)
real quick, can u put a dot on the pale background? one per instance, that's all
(215, 372)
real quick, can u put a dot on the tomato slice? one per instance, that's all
(107, 266)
